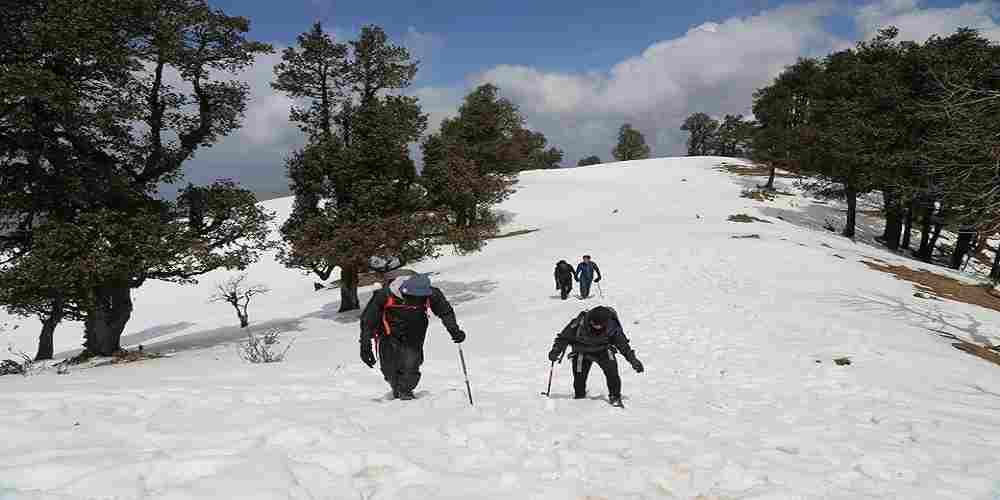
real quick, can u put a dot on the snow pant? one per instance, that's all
(584, 289)
(581, 368)
(565, 287)
(400, 363)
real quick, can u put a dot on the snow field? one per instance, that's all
(733, 403)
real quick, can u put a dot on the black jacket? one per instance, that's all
(564, 273)
(585, 341)
(407, 319)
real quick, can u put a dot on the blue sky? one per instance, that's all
(579, 69)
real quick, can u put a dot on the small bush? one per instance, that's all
(746, 218)
(21, 365)
(264, 348)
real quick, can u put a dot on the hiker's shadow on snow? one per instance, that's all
(920, 318)
(224, 335)
(458, 292)
(330, 311)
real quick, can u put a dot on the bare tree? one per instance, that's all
(238, 294)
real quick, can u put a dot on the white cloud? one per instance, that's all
(919, 23)
(713, 68)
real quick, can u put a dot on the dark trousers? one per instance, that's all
(584, 289)
(400, 363)
(565, 288)
(581, 368)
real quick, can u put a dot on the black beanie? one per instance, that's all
(600, 314)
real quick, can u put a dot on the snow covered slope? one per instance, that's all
(740, 398)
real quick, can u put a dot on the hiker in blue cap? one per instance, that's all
(394, 324)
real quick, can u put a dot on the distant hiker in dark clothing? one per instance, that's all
(585, 275)
(596, 336)
(396, 321)
(564, 278)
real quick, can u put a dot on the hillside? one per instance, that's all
(741, 397)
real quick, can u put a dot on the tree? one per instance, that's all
(238, 294)
(960, 146)
(631, 145)
(702, 129)
(590, 160)
(355, 185)
(781, 109)
(470, 165)
(83, 154)
(733, 136)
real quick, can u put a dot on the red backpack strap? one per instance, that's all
(391, 303)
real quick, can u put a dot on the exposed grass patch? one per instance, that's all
(746, 218)
(745, 236)
(763, 194)
(988, 352)
(754, 171)
(941, 286)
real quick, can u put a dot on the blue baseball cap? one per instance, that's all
(418, 285)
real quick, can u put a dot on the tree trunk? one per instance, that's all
(934, 239)
(924, 252)
(852, 210)
(962, 247)
(995, 271)
(349, 289)
(49, 324)
(244, 321)
(106, 318)
(908, 225)
(893, 220)
(770, 179)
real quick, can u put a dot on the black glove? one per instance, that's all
(367, 356)
(637, 365)
(554, 355)
(458, 337)
(598, 280)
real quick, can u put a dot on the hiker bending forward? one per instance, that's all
(596, 336)
(395, 321)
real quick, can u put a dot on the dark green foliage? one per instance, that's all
(470, 165)
(914, 121)
(702, 129)
(631, 145)
(90, 126)
(358, 204)
(590, 160)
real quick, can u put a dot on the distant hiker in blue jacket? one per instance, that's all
(585, 272)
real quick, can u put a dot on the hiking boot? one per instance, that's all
(615, 400)
(406, 395)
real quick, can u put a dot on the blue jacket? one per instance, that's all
(585, 271)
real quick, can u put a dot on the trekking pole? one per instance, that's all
(600, 290)
(548, 390)
(468, 388)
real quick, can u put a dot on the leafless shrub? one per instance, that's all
(238, 294)
(264, 348)
(22, 364)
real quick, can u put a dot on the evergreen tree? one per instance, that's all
(357, 200)
(83, 153)
(470, 165)
(733, 136)
(703, 129)
(631, 145)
